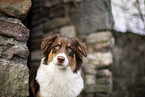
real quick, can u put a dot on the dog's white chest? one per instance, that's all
(55, 82)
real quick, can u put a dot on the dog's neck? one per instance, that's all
(58, 82)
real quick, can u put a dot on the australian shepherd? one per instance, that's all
(59, 74)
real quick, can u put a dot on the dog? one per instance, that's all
(59, 73)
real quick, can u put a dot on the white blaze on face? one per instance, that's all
(65, 63)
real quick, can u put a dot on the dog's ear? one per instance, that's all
(81, 47)
(47, 42)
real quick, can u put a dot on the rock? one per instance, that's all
(14, 28)
(58, 11)
(98, 88)
(54, 23)
(98, 47)
(50, 3)
(89, 95)
(67, 1)
(90, 80)
(68, 31)
(102, 47)
(19, 50)
(14, 79)
(101, 95)
(99, 37)
(93, 16)
(96, 64)
(18, 8)
(103, 73)
(9, 48)
(1, 50)
(90, 68)
(6, 41)
(103, 81)
(100, 42)
(13, 20)
(101, 58)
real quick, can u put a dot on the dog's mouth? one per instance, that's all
(60, 64)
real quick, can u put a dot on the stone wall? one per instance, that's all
(90, 20)
(128, 67)
(98, 76)
(94, 15)
(13, 50)
(129, 50)
(94, 22)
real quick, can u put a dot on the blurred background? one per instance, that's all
(113, 31)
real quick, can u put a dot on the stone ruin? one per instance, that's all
(89, 20)
(14, 73)
(73, 18)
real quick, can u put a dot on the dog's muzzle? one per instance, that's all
(61, 59)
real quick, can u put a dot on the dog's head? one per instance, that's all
(63, 52)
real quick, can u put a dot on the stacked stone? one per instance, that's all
(36, 18)
(13, 50)
(94, 22)
(128, 68)
(36, 35)
(98, 77)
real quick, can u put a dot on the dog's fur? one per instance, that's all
(59, 74)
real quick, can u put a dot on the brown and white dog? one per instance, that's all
(59, 74)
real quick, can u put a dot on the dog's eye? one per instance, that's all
(57, 47)
(69, 49)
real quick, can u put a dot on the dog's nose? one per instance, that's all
(60, 59)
